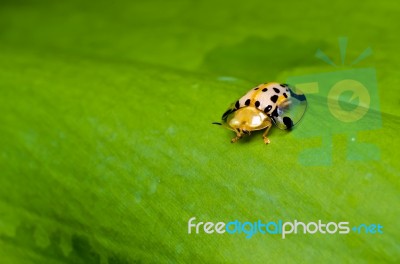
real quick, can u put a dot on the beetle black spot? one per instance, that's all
(288, 122)
(238, 130)
(276, 90)
(274, 98)
(257, 104)
(275, 112)
(265, 89)
(284, 94)
(247, 102)
(268, 108)
(237, 105)
(256, 88)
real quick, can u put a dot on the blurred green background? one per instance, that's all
(107, 147)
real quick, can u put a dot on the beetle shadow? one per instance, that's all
(259, 59)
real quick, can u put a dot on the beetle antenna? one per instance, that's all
(216, 123)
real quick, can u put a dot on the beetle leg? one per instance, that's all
(239, 135)
(266, 140)
(235, 139)
(246, 132)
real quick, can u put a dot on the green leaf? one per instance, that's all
(107, 147)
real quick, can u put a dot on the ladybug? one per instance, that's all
(263, 105)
